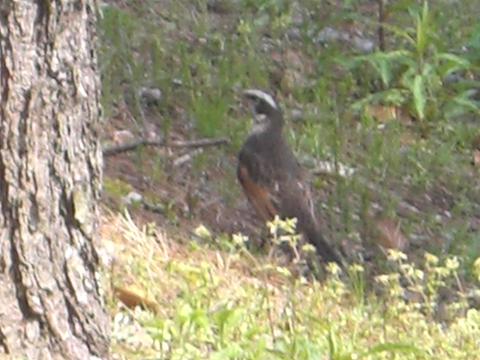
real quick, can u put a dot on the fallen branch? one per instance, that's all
(114, 150)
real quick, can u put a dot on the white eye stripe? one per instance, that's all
(261, 95)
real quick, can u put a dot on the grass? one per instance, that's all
(232, 305)
(395, 117)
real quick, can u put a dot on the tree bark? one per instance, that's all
(50, 181)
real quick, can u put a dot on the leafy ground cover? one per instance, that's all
(210, 304)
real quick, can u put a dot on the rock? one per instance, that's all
(122, 136)
(331, 35)
(177, 82)
(132, 198)
(294, 34)
(151, 96)
(328, 35)
(297, 115)
(363, 45)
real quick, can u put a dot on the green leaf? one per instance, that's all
(419, 99)
(395, 97)
(452, 63)
(474, 40)
(423, 29)
(462, 104)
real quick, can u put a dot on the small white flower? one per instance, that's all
(452, 263)
(202, 232)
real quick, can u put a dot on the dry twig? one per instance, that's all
(114, 150)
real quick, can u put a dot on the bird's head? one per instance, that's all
(266, 111)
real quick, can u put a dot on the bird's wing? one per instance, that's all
(255, 176)
(285, 194)
(297, 201)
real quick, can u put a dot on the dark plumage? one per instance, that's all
(271, 177)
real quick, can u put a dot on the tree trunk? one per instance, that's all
(50, 180)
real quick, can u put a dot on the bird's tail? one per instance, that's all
(325, 250)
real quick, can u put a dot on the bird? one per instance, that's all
(271, 177)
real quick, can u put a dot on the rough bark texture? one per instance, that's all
(50, 179)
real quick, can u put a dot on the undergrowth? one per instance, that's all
(231, 305)
(403, 119)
